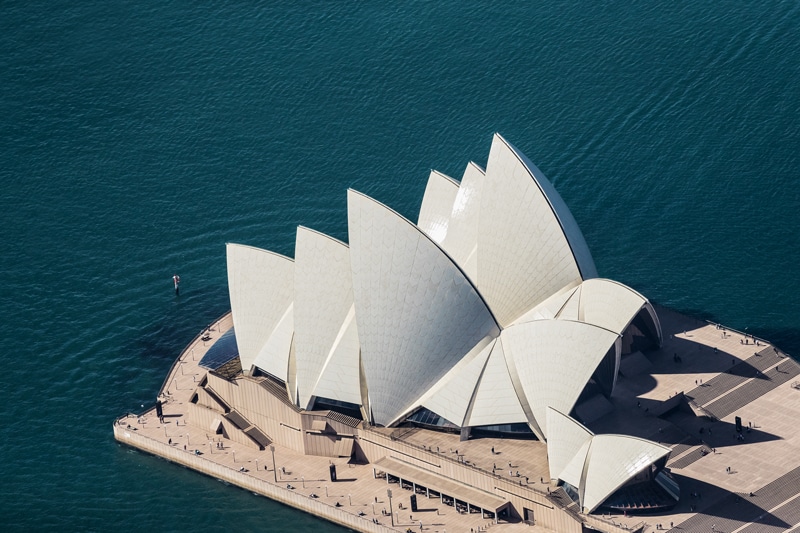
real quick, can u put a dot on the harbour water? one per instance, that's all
(136, 140)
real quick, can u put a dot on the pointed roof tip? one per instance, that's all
(441, 174)
(476, 166)
(551, 408)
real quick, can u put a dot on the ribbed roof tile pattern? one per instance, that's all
(437, 203)
(275, 355)
(462, 233)
(261, 287)
(554, 360)
(417, 313)
(496, 401)
(451, 397)
(340, 378)
(565, 439)
(612, 461)
(488, 312)
(529, 244)
(323, 297)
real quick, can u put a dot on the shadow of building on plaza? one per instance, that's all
(718, 434)
(721, 508)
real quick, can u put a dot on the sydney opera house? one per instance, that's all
(476, 360)
(486, 317)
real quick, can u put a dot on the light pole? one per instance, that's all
(350, 499)
(326, 491)
(256, 465)
(391, 509)
(274, 470)
(304, 481)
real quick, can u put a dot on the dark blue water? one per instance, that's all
(137, 138)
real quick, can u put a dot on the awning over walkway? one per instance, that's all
(475, 497)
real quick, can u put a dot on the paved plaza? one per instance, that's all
(729, 482)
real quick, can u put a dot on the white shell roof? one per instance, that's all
(462, 233)
(553, 360)
(274, 355)
(396, 318)
(340, 378)
(496, 400)
(549, 308)
(451, 397)
(597, 465)
(437, 203)
(574, 471)
(565, 439)
(417, 313)
(529, 244)
(261, 286)
(605, 303)
(612, 461)
(323, 298)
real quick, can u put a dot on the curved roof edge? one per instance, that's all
(407, 221)
(437, 204)
(566, 436)
(260, 303)
(569, 226)
(418, 314)
(623, 321)
(553, 360)
(464, 219)
(323, 297)
(612, 461)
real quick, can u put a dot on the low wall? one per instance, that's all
(245, 481)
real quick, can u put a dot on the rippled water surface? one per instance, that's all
(137, 138)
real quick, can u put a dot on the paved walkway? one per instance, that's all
(735, 382)
(357, 491)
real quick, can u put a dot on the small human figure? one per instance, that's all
(176, 280)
